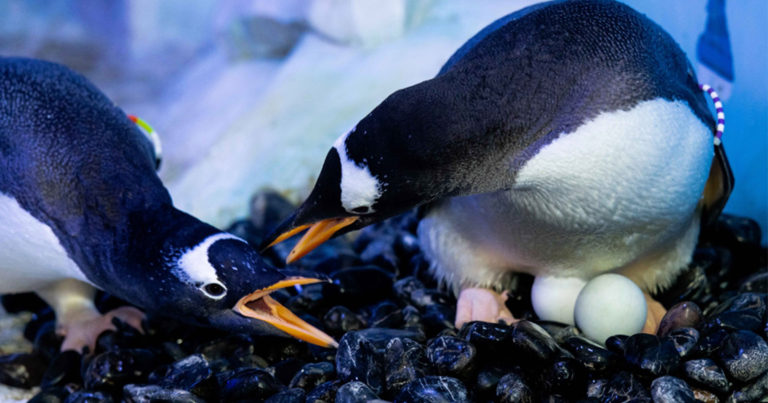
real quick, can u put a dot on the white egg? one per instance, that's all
(610, 304)
(553, 298)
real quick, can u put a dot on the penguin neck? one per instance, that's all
(146, 251)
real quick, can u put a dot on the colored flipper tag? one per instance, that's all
(713, 50)
(153, 137)
(721, 181)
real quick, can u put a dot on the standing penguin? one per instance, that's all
(81, 207)
(566, 140)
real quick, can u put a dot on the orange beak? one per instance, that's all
(259, 305)
(318, 233)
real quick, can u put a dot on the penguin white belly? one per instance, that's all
(620, 191)
(31, 256)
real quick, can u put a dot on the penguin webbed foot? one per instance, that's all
(655, 314)
(82, 330)
(484, 305)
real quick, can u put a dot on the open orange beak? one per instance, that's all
(259, 305)
(318, 233)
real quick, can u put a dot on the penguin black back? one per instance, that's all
(72, 159)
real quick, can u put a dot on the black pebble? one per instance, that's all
(325, 392)
(355, 392)
(433, 389)
(63, 369)
(668, 389)
(405, 361)
(89, 396)
(623, 387)
(683, 314)
(340, 319)
(294, 395)
(706, 373)
(744, 355)
(313, 374)
(452, 356)
(248, 383)
(358, 360)
(115, 368)
(593, 357)
(684, 339)
(650, 355)
(154, 393)
(22, 370)
(512, 388)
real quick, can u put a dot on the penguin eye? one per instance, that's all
(214, 290)
(361, 210)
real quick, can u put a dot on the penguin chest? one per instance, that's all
(31, 256)
(619, 187)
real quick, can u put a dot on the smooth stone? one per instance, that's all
(490, 339)
(753, 392)
(425, 297)
(591, 355)
(651, 355)
(386, 314)
(565, 376)
(532, 341)
(452, 356)
(406, 245)
(341, 319)
(735, 320)
(380, 336)
(596, 388)
(433, 389)
(357, 360)
(313, 298)
(355, 392)
(323, 393)
(705, 396)
(616, 343)
(405, 361)
(363, 284)
(186, 374)
(486, 383)
(668, 389)
(284, 370)
(623, 387)
(89, 396)
(154, 393)
(412, 319)
(437, 318)
(404, 287)
(710, 343)
(294, 395)
(513, 388)
(706, 373)
(313, 374)
(381, 253)
(248, 383)
(682, 314)
(744, 355)
(116, 368)
(684, 339)
(50, 395)
(63, 369)
(750, 301)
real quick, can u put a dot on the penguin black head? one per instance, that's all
(222, 282)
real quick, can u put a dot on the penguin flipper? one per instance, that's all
(718, 188)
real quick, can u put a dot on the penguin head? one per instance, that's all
(222, 282)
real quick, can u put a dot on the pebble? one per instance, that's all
(683, 314)
(325, 392)
(63, 369)
(340, 319)
(650, 355)
(433, 389)
(513, 388)
(706, 373)
(293, 395)
(355, 392)
(756, 391)
(744, 355)
(313, 374)
(452, 356)
(358, 360)
(154, 393)
(532, 341)
(247, 383)
(625, 386)
(592, 356)
(363, 284)
(684, 339)
(668, 389)
(405, 361)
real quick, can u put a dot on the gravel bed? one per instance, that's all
(397, 341)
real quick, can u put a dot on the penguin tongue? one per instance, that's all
(259, 305)
(318, 233)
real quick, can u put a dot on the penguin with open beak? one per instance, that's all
(81, 207)
(565, 140)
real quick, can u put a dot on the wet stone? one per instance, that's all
(486, 383)
(341, 319)
(154, 393)
(284, 370)
(683, 314)
(512, 388)
(565, 376)
(651, 355)
(404, 287)
(405, 361)
(118, 367)
(433, 389)
(192, 373)
(616, 343)
(623, 387)
(46, 342)
(753, 392)
(380, 252)
(355, 392)
(668, 389)
(22, 370)
(325, 392)
(593, 357)
(437, 318)
(452, 356)
(63, 369)
(294, 395)
(684, 339)
(532, 341)
(744, 355)
(363, 284)
(358, 360)
(386, 314)
(596, 388)
(710, 343)
(735, 320)
(425, 297)
(412, 319)
(492, 340)
(248, 383)
(89, 396)
(706, 373)
(312, 375)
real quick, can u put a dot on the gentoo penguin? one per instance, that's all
(565, 140)
(81, 207)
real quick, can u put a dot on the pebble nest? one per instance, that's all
(397, 341)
